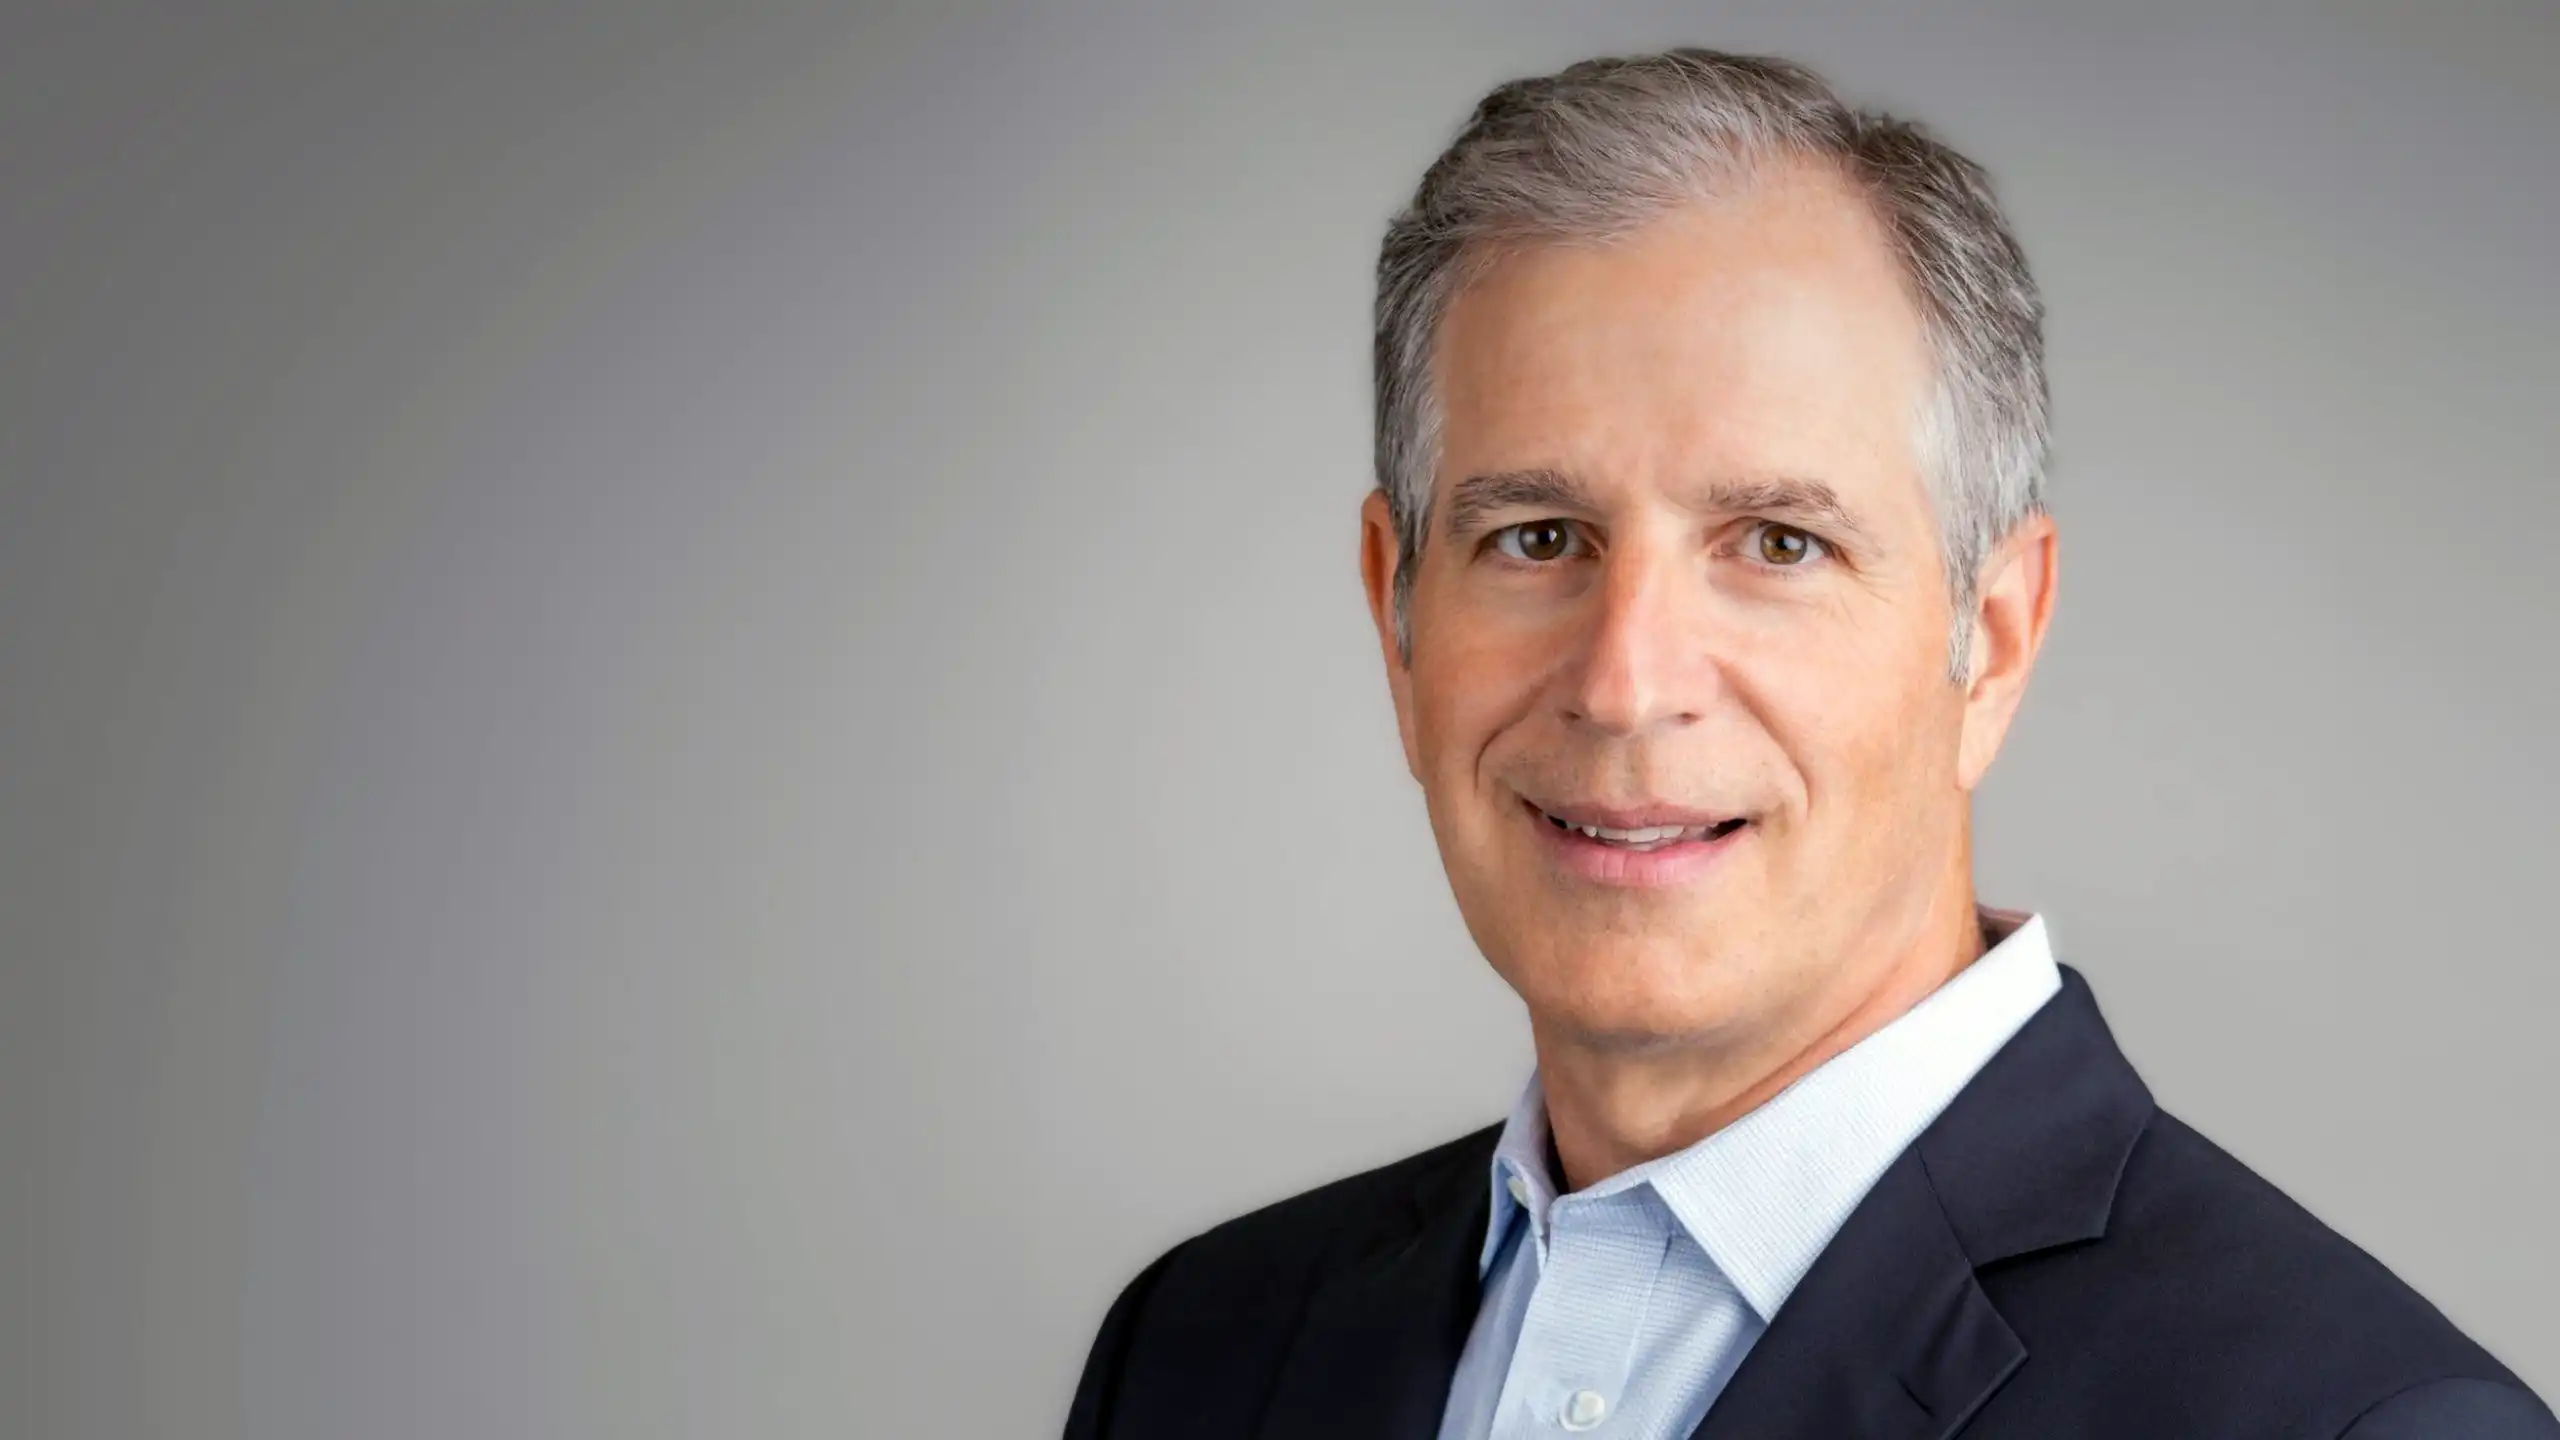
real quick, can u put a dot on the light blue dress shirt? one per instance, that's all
(1622, 1309)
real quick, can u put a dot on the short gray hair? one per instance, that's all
(1599, 147)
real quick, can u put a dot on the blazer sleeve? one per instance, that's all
(2457, 1410)
(1098, 1392)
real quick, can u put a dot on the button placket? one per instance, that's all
(1602, 1250)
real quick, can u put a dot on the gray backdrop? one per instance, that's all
(687, 743)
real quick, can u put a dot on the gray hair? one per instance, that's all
(1598, 148)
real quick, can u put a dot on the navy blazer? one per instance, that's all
(2055, 1256)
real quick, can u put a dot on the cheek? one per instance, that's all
(1905, 795)
(1449, 733)
(1465, 696)
(1865, 728)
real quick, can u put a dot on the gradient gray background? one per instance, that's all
(687, 743)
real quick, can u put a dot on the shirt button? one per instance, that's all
(1518, 1187)
(1584, 1409)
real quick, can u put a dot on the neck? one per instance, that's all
(1610, 1110)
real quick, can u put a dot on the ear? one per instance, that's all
(2011, 611)
(1378, 577)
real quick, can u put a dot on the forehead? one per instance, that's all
(1766, 331)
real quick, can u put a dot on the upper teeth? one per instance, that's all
(1644, 836)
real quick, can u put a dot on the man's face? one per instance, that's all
(1683, 571)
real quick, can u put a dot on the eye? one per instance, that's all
(1785, 545)
(1536, 541)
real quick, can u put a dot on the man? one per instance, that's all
(1709, 561)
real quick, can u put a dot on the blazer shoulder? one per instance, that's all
(2213, 1291)
(2187, 1203)
(1339, 1217)
(1193, 1341)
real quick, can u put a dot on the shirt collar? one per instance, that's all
(1765, 1194)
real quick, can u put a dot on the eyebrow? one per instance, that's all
(1787, 497)
(1477, 496)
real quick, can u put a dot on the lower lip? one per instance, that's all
(1585, 858)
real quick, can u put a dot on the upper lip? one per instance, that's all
(1641, 815)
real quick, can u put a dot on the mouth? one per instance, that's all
(1646, 831)
(1643, 846)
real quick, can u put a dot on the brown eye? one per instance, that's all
(1786, 545)
(1535, 540)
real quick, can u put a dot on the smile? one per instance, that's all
(1648, 847)
(1650, 837)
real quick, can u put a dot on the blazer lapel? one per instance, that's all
(1890, 1336)
(1380, 1342)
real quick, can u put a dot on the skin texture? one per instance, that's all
(1642, 621)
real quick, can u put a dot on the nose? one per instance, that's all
(1644, 661)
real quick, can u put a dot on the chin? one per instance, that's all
(1635, 995)
(1637, 1030)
